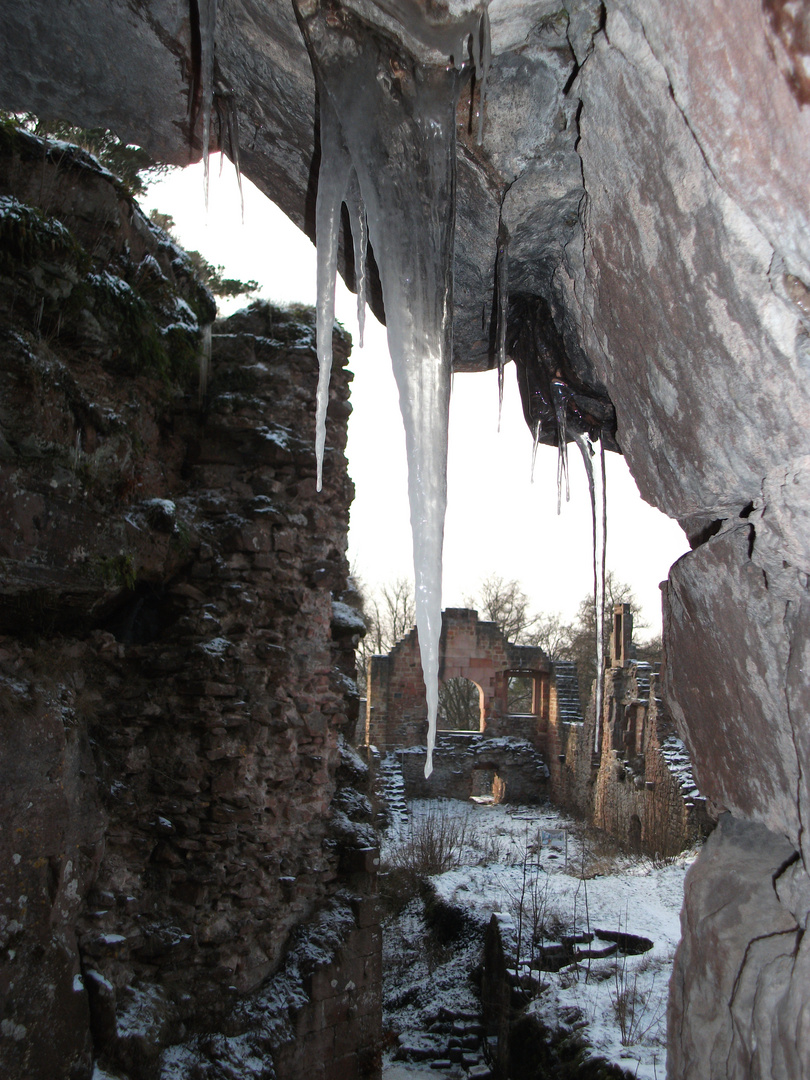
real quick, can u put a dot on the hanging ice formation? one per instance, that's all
(559, 407)
(207, 15)
(205, 361)
(502, 309)
(388, 150)
(598, 492)
(226, 107)
(559, 395)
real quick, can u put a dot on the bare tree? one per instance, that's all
(553, 636)
(582, 642)
(390, 613)
(505, 603)
(459, 706)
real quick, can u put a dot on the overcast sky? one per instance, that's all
(498, 521)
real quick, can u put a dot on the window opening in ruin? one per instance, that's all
(460, 705)
(520, 695)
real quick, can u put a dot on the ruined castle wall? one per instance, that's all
(176, 665)
(464, 765)
(471, 649)
(639, 788)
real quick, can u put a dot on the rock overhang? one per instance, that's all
(525, 177)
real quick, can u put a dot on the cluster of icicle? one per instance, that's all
(597, 487)
(388, 152)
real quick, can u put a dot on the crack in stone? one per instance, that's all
(790, 631)
(796, 932)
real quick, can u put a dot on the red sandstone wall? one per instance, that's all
(629, 789)
(176, 796)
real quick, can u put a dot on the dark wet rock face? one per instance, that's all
(648, 162)
(174, 682)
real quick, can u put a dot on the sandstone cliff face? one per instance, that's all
(177, 794)
(649, 159)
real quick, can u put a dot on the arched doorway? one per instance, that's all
(460, 705)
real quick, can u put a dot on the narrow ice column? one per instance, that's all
(393, 121)
(560, 394)
(598, 492)
(359, 225)
(207, 12)
(502, 311)
(332, 184)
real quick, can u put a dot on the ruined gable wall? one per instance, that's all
(469, 648)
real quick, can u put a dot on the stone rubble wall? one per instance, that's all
(638, 789)
(176, 668)
(508, 768)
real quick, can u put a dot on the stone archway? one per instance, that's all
(470, 649)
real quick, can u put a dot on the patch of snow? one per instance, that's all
(166, 505)
(677, 759)
(534, 864)
(113, 284)
(112, 939)
(277, 434)
(98, 979)
(347, 618)
(217, 646)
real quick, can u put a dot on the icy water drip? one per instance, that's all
(232, 128)
(388, 149)
(560, 394)
(598, 491)
(502, 310)
(205, 360)
(359, 224)
(208, 25)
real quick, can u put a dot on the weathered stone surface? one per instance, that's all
(676, 294)
(173, 697)
(734, 1003)
(726, 682)
(638, 786)
(510, 768)
(675, 265)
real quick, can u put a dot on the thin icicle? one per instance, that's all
(207, 10)
(598, 494)
(205, 360)
(482, 57)
(560, 393)
(538, 427)
(332, 184)
(502, 288)
(600, 608)
(232, 123)
(357, 218)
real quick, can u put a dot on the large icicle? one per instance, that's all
(393, 120)
(560, 394)
(598, 491)
(336, 167)
(357, 217)
(502, 311)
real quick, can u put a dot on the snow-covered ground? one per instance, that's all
(548, 879)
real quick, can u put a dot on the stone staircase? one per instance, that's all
(390, 790)
(568, 705)
(453, 1046)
